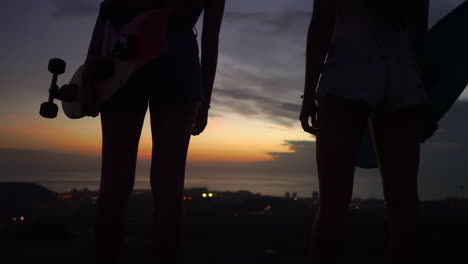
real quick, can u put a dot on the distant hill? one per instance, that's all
(23, 193)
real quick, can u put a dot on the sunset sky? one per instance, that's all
(253, 120)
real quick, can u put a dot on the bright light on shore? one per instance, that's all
(204, 195)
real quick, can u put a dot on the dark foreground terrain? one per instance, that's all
(235, 228)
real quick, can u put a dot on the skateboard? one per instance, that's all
(122, 52)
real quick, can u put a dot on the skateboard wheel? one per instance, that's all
(57, 66)
(49, 110)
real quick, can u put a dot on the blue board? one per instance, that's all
(443, 58)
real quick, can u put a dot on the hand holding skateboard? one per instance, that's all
(68, 93)
(117, 55)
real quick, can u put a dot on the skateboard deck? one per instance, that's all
(149, 36)
(443, 58)
(117, 54)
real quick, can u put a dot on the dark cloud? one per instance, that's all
(251, 104)
(301, 159)
(75, 8)
(262, 66)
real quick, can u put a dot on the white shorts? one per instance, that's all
(388, 83)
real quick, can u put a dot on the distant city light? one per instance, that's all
(22, 218)
(190, 198)
(185, 198)
(267, 208)
(14, 219)
(65, 197)
(210, 195)
(204, 195)
(295, 198)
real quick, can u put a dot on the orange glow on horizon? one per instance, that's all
(230, 138)
(195, 156)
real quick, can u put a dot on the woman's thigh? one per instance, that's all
(397, 138)
(171, 125)
(121, 120)
(340, 126)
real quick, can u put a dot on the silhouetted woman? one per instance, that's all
(370, 77)
(178, 91)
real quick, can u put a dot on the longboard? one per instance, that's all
(141, 40)
(443, 58)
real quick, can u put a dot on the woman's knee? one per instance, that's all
(116, 190)
(335, 200)
(336, 185)
(402, 200)
(117, 181)
(400, 187)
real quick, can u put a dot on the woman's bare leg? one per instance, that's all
(121, 129)
(397, 137)
(171, 126)
(340, 125)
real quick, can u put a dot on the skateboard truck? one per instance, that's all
(125, 48)
(66, 93)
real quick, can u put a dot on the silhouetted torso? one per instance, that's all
(185, 14)
(363, 32)
(186, 17)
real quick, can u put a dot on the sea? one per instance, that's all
(276, 184)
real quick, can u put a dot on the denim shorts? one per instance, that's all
(175, 76)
